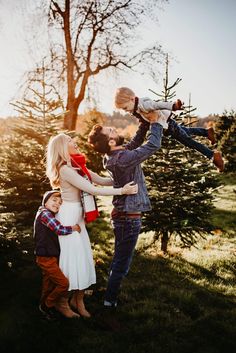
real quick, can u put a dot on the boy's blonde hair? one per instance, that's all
(123, 95)
(57, 155)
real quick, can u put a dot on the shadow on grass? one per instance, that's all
(168, 305)
(225, 220)
(227, 178)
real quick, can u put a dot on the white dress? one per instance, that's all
(76, 258)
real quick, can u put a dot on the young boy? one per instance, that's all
(144, 108)
(46, 231)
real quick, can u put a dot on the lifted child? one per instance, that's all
(144, 108)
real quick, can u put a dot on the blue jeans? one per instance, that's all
(126, 235)
(183, 135)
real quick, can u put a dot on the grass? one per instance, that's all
(180, 303)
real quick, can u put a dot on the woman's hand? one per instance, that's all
(130, 188)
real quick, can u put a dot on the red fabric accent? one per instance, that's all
(91, 216)
(78, 160)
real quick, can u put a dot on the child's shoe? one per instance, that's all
(211, 135)
(49, 313)
(218, 161)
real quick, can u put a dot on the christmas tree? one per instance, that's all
(180, 184)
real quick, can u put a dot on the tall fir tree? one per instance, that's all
(180, 184)
(22, 176)
(225, 134)
(223, 124)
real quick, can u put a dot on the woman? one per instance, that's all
(76, 260)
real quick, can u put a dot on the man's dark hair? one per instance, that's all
(98, 140)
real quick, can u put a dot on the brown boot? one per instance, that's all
(218, 161)
(63, 307)
(211, 135)
(77, 303)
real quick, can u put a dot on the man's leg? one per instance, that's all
(126, 235)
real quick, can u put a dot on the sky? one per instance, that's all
(198, 34)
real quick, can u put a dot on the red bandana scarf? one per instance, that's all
(89, 203)
(79, 161)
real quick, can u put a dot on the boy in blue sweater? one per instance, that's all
(47, 249)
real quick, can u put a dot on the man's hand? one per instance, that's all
(76, 228)
(152, 117)
(178, 105)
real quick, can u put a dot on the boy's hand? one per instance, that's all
(178, 105)
(76, 228)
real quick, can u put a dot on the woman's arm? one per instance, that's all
(71, 176)
(97, 179)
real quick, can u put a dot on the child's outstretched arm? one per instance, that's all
(147, 105)
(52, 223)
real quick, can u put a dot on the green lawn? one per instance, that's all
(180, 303)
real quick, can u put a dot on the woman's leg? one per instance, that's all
(77, 303)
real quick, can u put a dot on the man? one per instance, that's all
(124, 165)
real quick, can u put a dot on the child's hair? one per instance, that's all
(98, 140)
(123, 95)
(57, 155)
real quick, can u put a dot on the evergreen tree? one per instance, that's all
(223, 124)
(180, 186)
(225, 135)
(228, 146)
(22, 176)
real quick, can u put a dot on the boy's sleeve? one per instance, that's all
(148, 105)
(52, 223)
(139, 137)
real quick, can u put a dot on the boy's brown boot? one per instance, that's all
(77, 303)
(211, 135)
(63, 307)
(218, 161)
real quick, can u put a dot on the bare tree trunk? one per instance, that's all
(70, 117)
(164, 241)
(93, 30)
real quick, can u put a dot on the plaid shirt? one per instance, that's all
(49, 220)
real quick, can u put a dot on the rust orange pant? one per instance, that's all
(54, 283)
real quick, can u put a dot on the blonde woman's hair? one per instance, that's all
(123, 95)
(56, 155)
